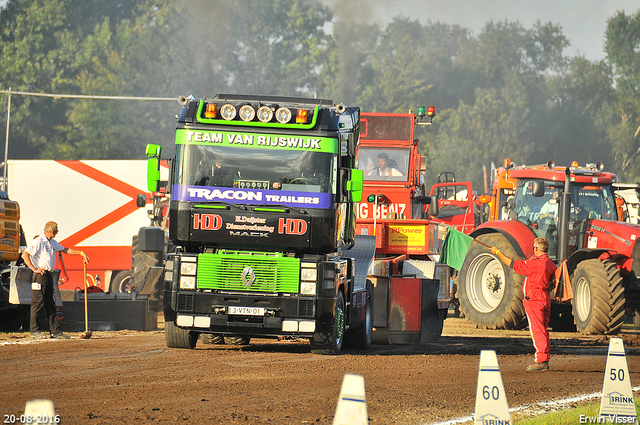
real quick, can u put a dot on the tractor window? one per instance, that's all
(384, 164)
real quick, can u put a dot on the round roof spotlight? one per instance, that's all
(551, 164)
(247, 113)
(283, 115)
(600, 166)
(228, 112)
(265, 114)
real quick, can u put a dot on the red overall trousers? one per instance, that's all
(537, 301)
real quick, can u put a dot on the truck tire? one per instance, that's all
(121, 282)
(361, 335)
(489, 291)
(598, 297)
(140, 263)
(236, 340)
(179, 338)
(331, 343)
(212, 339)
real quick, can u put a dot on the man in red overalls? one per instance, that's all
(539, 270)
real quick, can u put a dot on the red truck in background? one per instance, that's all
(412, 291)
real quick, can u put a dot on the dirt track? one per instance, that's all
(125, 377)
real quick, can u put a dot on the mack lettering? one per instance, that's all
(250, 234)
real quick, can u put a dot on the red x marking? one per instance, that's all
(113, 216)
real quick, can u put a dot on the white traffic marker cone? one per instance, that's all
(41, 408)
(491, 401)
(352, 402)
(617, 396)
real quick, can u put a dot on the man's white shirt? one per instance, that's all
(43, 252)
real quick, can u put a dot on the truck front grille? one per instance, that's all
(185, 302)
(274, 273)
(306, 308)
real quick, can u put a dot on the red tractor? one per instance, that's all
(575, 209)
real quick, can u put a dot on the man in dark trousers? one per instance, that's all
(40, 257)
(539, 270)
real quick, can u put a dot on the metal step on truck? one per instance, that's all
(262, 224)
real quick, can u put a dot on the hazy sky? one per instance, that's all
(583, 22)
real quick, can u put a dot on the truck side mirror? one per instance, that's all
(434, 210)
(153, 167)
(355, 184)
(141, 200)
(537, 190)
(153, 174)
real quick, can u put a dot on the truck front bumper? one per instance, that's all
(250, 315)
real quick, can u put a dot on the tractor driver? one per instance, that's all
(383, 168)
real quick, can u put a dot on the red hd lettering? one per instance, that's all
(207, 221)
(292, 226)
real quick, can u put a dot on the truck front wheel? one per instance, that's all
(489, 291)
(331, 343)
(179, 338)
(598, 297)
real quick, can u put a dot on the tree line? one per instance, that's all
(509, 91)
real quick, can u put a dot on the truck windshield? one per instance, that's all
(268, 169)
(384, 164)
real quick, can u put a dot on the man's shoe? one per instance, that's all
(538, 366)
(38, 335)
(60, 335)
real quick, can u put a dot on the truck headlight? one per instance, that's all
(228, 112)
(188, 268)
(308, 274)
(308, 288)
(187, 282)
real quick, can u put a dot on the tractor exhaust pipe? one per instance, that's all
(563, 219)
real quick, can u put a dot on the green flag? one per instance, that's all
(455, 248)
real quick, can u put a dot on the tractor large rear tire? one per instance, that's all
(179, 338)
(598, 297)
(489, 291)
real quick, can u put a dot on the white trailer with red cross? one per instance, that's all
(94, 204)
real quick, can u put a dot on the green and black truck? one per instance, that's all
(262, 221)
